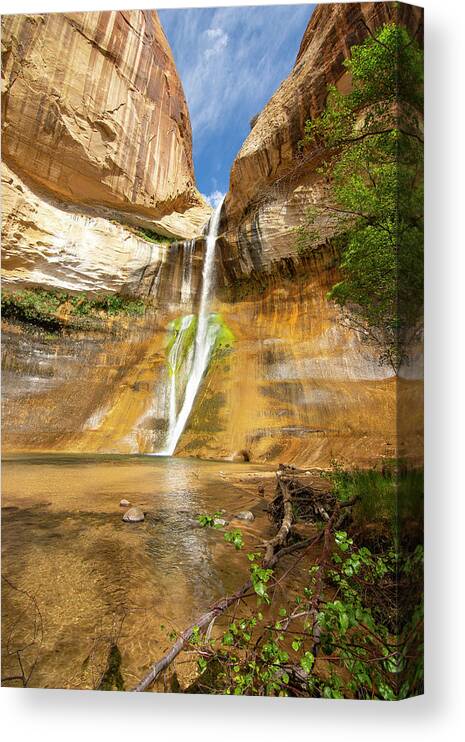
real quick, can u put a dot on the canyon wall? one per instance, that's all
(300, 384)
(96, 139)
(297, 384)
(273, 180)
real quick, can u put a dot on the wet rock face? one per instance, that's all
(94, 111)
(297, 386)
(84, 391)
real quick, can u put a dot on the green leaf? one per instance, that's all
(260, 589)
(307, 662)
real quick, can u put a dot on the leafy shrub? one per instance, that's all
(389, 497)
(34, 306)
(40, 307)
(335, 637)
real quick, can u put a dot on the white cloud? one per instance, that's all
(227, 59)
(214, 198)
(230, 61)
(217, 40)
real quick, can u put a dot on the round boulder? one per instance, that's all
(193, 523)
(124, 503)
(133, 515)
(245, 515)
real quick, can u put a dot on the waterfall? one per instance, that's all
(204, 342)
(186, 286)
(175, 362)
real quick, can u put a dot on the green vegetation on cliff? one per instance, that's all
(152, 236)
(224, 336)
(374, 145)
(53, 309)
(181, 333)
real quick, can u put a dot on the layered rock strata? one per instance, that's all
(297, 385)
(95, 130)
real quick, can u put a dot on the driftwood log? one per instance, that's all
(312, 500)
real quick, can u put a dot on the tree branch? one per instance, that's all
(270, 559)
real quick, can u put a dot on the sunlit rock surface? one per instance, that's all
(95, 130)
(273, 181)
(48, 242)
(296, 386)
(93, 110)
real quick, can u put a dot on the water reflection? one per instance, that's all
(96, 580)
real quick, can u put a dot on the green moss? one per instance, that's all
(111, 304)
(186, 341)
(187, 325)
(224, 335)
(34, 306)
(152, 236)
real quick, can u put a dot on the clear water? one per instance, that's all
(70, 563)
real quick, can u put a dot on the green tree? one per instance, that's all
(372, 140)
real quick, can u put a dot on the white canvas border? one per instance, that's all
(53, 715)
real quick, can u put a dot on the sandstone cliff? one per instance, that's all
(297, 385)
(300, 386)
(94, 126)
(272, 182)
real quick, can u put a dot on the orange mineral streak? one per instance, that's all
(296, 386)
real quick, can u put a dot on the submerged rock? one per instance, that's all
(240, 456)
(245, 515)
(133, 515)
(124, 503)
(193, 523)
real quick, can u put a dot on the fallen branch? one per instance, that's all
(275, 549)
(270, 559)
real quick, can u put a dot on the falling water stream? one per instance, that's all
(186, 286)
(204, 342)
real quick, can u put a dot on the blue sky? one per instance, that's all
(230, 60)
